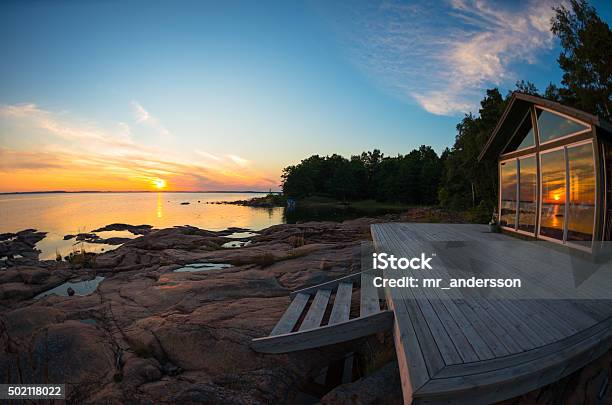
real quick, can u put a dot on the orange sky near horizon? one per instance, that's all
(45, 151)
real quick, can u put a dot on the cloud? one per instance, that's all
(222, 160)
(238, 160)
(144, 117)
(208, 156)
(442, 56)
(73, 154)
(71, 130)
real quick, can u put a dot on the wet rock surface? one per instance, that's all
(135, 229)
(148, 334)
(20, 248)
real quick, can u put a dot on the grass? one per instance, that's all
(79, 258)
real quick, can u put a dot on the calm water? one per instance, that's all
(63, 214)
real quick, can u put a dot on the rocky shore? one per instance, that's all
(172, 319)
(148, 334)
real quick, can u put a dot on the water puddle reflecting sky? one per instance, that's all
(81, 288)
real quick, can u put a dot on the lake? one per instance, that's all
(72, 213)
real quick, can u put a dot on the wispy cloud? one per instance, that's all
(441, 56)
(224, 160)
(144, 117)
(73, 154)
(238, 160)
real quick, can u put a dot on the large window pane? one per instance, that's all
(582, 193)
(508, 194)
(527, 194)
(553, 194)
(552, 126)
(524, 137)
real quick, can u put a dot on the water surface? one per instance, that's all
(72, 213)
(80, 288)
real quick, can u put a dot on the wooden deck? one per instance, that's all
(461, 346)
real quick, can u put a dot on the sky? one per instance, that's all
(194, 95)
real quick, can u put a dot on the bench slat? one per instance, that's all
(291, 315)
(342, 304)
(317, 310)
(369, 296)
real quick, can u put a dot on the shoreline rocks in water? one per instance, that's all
(20, 247)
(135, 229)
(269, 201)
(93, 238)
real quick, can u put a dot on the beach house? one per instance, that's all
(555, 172)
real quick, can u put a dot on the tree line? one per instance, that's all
(455, 179)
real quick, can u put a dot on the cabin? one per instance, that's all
(471, 346)
(555, 172)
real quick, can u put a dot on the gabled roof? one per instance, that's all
(515, 111)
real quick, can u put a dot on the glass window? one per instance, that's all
(553, 194)
(524, 137)
(581, 193)
(552, 126)
(508, 193)
(528, 141)
(527, 194)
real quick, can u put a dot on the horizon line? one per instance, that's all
(138, 191)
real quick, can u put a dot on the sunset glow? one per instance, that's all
(159, 183)
(226, 100)
(63, 152)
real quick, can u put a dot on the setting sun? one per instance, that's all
(159, 183)
(556, 197)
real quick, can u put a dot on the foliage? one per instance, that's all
(81, 259)
(467, 183)
(411, 179)
(456, 179)
(586, 59)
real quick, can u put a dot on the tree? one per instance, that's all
(411, 178)
(527, 88)
(466, 182)
(586, 59)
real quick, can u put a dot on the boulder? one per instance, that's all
(33, 275)
(16, 291)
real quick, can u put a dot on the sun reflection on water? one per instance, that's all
(160, 212)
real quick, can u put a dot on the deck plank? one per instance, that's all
(315, 313)
(291, 315)
(521, 343)
(466, 334)
(415, 368)
(342, 303)
(430, 329)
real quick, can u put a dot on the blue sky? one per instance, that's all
(219, 95)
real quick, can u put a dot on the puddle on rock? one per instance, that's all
(241, 235)
(235, 244)
(193, 267)
(88, 321)
(81, 288)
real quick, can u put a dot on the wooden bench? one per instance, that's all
(291, 335)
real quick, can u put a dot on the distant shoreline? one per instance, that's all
(143, 191)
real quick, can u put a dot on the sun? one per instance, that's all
(159, 183)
